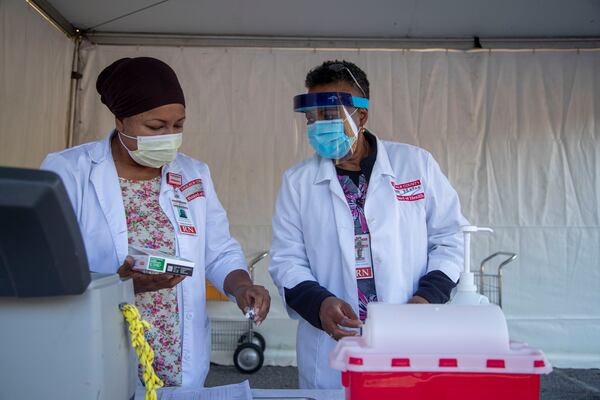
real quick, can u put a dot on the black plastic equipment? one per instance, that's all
(253, 337)
(41, 249)
(248, 358)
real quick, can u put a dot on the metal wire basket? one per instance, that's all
(226, 334)
(490, 283)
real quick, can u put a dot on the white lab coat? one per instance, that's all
(90, 177)
(313, 239)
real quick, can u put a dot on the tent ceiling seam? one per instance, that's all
(338, 43)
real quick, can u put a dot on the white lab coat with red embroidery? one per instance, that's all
(413, 214)
(90, 177)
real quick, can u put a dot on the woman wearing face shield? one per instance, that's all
(134, 188)
(364, 220)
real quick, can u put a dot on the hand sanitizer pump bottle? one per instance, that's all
(465, 292)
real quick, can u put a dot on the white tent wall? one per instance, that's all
(35, 71)
(515, 131)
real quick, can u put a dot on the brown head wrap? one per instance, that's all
(130, 86)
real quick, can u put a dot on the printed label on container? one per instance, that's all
(156, 264)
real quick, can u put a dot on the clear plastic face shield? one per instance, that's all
(329, 119)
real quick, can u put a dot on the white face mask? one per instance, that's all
(154, 151)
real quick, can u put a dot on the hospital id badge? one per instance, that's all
(364, 263)
(183, 216)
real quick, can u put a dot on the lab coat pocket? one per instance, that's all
(412, 224)
(412, 210)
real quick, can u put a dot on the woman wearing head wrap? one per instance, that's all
(133, 188)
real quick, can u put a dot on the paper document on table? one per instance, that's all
(239, 391)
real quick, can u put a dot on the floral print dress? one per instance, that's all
(149, 227)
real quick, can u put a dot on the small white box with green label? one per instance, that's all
(154, 261)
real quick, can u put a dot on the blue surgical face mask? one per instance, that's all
(328, 138)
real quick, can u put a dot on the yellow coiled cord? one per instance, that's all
(145, 354)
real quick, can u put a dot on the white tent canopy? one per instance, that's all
(338, 18)
(516, 131)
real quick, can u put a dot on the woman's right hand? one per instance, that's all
(335, 315)
(147, 282)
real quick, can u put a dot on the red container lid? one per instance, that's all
(436, 338)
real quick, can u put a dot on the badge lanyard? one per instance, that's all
(363, 258)
(181, 209)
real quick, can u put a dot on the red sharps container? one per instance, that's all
(437, 352)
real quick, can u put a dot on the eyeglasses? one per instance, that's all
(326, 114)
(337, 67)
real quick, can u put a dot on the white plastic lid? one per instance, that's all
(427, 328)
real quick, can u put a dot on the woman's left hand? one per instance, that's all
(248, 295)
(256, 297)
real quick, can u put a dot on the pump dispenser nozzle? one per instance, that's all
(466, 290)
